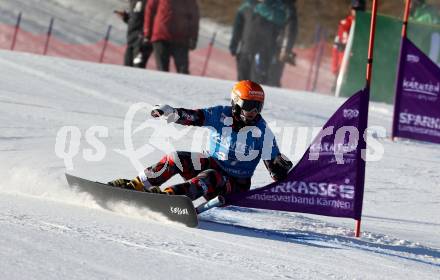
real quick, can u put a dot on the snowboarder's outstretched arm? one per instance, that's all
(278, 167)
(179, 115)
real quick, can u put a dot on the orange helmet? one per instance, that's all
(247, 96)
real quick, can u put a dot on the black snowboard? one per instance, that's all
(178, 208)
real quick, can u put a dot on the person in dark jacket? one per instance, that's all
(138, 51)
(284, 46)
(239, 45)
(172, 26)
(270, 18)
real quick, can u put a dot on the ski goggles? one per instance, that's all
(249, 118)
(250, 105)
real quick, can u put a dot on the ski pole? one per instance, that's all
(107, 37)
(17, 28)
(49, 34)
(208, 55)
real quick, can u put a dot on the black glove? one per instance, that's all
(233, 51)
(162, 110)
(291, 58)
(279, 167)
(192, 44)
(170, 113)
(122, 15)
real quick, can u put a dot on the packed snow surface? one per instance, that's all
(50, 231)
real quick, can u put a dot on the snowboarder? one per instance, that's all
(239, 138)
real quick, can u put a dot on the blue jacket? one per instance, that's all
(238, 153)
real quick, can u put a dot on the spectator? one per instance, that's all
(284, 45)
(270, 18)
(422, 12)
(239, 45)
(172, 27)
(138, 51)
(341, 37)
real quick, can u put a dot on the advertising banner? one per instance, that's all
(329, 179)
(417, 104)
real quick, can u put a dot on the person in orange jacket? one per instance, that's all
(342, 34)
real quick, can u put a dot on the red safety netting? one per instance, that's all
(221, 64)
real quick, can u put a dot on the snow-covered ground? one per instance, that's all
(49, 231)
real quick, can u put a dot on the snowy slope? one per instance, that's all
(49, 231)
